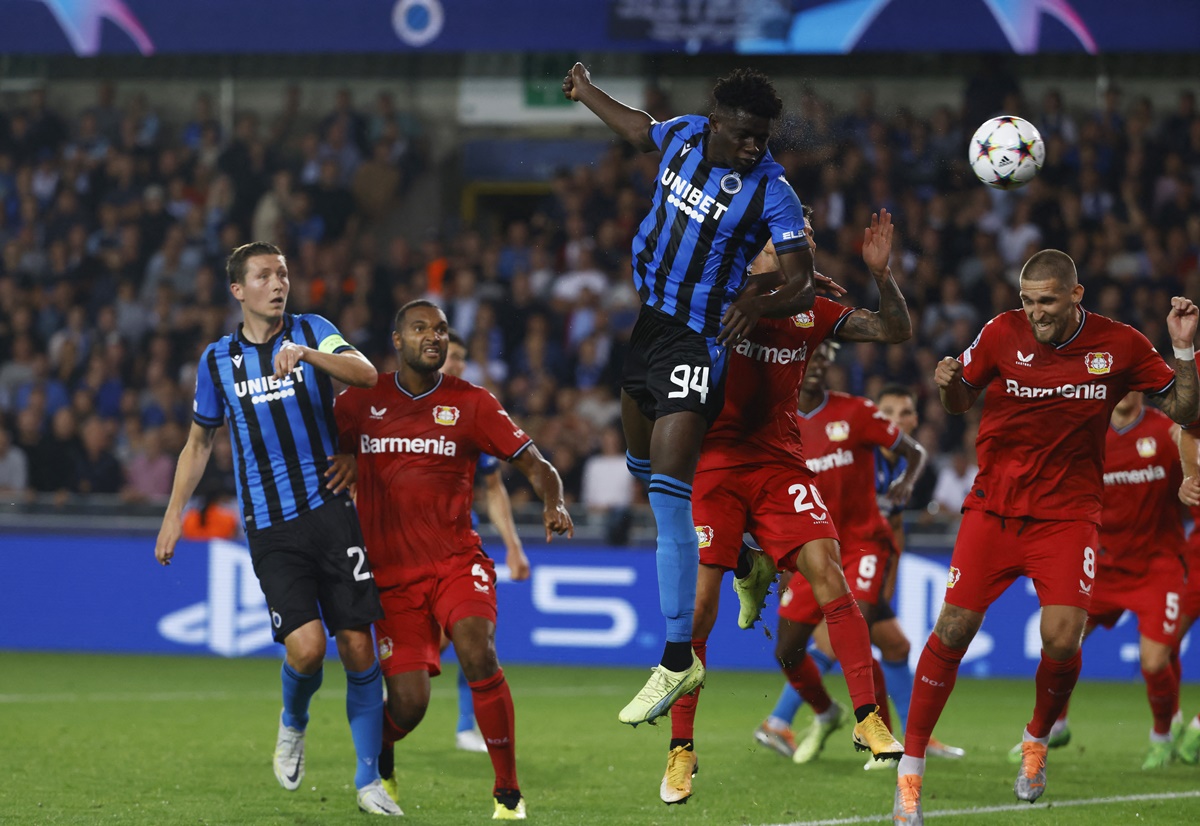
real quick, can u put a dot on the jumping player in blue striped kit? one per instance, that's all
(719, 198)
(272, 381)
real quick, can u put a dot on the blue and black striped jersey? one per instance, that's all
(282, 430)
(885, 473)
(707, 224)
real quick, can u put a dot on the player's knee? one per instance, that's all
(407, 708)
(1155, 661)
(895, 651)
(478, 663)
(956, 627)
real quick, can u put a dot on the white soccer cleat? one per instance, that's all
(374, 800)
(289, 756)
(470, 740)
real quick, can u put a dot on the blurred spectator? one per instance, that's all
(608, 488)
(150, 471)
(97, 469)
(954, 481)
(14, 467)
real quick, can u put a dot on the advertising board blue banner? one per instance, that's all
(91, 27)
(584, 605)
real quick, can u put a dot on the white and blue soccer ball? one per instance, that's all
(1006, 152)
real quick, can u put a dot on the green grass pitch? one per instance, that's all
(173, 740)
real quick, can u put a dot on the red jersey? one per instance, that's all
(758, 422)
(1143, 516)
(841, 436)
(1041, 438)
(416, 467)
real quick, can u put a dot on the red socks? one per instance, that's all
(683, 713)
(805, 677)
(1163, 692)
(881, 700)
(932, 683)
(852, 646)
(497, 723)
(1055, 680)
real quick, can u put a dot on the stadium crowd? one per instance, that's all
(114, 226)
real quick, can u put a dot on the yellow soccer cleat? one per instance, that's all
(661, 691)
(676, 786)
(873, 736)
(752, 590)
(509, 806)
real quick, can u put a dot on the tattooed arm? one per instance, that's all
(891, 324)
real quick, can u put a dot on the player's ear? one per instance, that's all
(1077, 294)
(236, 288)
(395, 339)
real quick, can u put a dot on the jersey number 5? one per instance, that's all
(699, 382)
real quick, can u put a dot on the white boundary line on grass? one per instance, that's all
(1017, 807)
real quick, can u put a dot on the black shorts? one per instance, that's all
(314, 567)
(671, 368)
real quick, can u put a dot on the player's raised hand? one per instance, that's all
(518, 564)
(168, 537)
(877, 243)
(342, 472)
(738, 321)
(1189, 491)
(576, 81)
(949, 371)
(1181, 322)
(290, 354)
(557, 521)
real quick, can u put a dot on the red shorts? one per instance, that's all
(1153, 596)
(1190, 601)
(417, 608)
(866, 569)
(779, 505)
(992, 551)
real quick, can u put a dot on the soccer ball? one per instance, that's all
(1006, 152)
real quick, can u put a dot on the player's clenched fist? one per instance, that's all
(576, 81)
(948, 372)
(1181, 321)
(558, 521)
(290, 354)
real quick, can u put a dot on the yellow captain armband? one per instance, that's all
(330, 344)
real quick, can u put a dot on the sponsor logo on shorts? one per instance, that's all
(1147, 446)
(481, 587)
(1169, 628)
(954, 576)
(446, 415)
(838, 431)
(1098, 364)
(385, 647)
(1085, 587)
(805, 319)
(704, 534)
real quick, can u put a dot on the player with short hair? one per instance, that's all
(1140, 566)
(719, 197)
(1053, 372)
(467, 736)
(272, 380)
(752, 477)
(418, 435)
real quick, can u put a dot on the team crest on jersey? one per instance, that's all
(838, 431)
(1098, 364)
(731, 182)
(385, 647)
(704, 533)
(446, 415)
(953, 577)
(805, 319)
(1147, 447)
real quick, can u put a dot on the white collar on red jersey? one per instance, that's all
(396, 379)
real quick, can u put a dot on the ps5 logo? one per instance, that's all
(233, 621)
